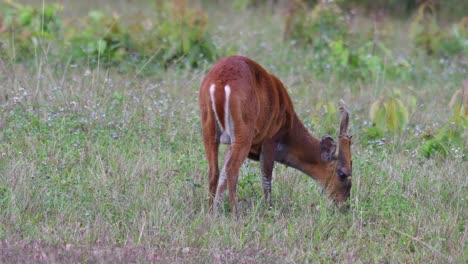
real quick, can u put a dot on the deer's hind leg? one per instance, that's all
(211, 145)
(240, 128)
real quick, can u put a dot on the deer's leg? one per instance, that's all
(239, 127)
(267, 161)
(233, 159)
(213, 171)
(211, 144)
(222, 182)
(238, 154)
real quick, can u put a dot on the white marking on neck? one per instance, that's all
(227, 114)
(213, 104)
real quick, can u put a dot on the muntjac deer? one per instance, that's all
(244, 106)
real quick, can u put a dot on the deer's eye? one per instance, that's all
(341, 174)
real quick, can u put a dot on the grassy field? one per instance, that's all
(107, 165)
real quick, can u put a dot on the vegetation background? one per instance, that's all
(101, 157)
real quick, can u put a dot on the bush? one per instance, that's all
(455, 42)
(101, 38)
(323, 24)
(367, 62)
(24, 29)
(177, 32)
(427, 34)
(450, 10)
(393, 7)
(324, 117)
(389, 114)
(451, 138)
(325, 30)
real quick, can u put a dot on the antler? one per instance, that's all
(344, 121)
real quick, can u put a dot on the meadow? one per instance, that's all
(104, 162)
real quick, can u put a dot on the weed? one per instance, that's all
(428, 35)
(389, 113)
(104, 164)
(25, 29)
(101, 39)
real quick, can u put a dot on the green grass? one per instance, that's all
(100, 160)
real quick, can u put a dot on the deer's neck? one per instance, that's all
(301, 150)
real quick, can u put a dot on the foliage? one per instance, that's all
(451, 10)
(325, 30)
(101, 38)
(450, 139)
(318, 27)
(100, 166)
(24, 29)
(322, 29)
(178, 31)
(456, 41)
(324, 117)
(427, 34)
(369, 61)
(242, 5)
(389, 113)
(394, 7)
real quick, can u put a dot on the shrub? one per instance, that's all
(451, 138)
(242, 5)
(24, 29)
(363, 63)
(449, 9)
(325, 30)
(177, 32)
(325, 120)
(323, 24)
(367, 62)
(427, 34)
(455, 42)
(101, 38)
(389, 114)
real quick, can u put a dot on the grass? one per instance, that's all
(103, 165)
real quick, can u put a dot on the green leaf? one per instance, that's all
(374, 108)
(380, 120)
(391, 115)
(101, 46)
(412, 102)
(25, 16)
(373, 132)
(402, 114)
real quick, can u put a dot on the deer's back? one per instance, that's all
(262, 99)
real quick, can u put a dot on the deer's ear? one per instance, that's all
(327, 148)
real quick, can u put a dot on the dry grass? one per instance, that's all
(98, 165)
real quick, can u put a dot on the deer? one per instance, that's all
(249, 109)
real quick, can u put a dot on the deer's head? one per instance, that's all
(339, 162)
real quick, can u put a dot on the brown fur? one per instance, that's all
(266, 128)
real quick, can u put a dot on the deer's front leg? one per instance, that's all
(267, 162)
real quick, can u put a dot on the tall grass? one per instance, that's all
(109, 165)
